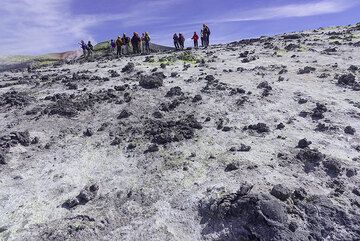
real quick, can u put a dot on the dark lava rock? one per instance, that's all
(86, 195)
(311, 158)
(121, 87)
(124, 114)
(349, 130)
(310, 155)
(244, 148)
(266, 87)
(302, 101)
(163, 132)
(151, 82)
(72, 86)
(2, 159)
(152, 148)
(243, 216)
(35, 140)
(129, 67)
(306, 70)
(131, 146)
(14, 98)
(292, 36)
(260, 128)
(350, 172)
(210, 78)
(21, 137)
(318, 111)
(197, 98)
(232, 167)
(333, 167)
(174, 74)
(303, 143)
(299, 194)
(226, 129)
(347, 79)
(292, 47)
(280, 192)
(158, 115)
(280, 126)
(174, 91)
(170, 106)
(88, 132)
(113, 73)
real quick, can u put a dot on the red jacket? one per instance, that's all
(195, 37)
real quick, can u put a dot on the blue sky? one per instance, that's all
(43, 26)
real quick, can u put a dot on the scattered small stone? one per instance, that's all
(306, 70)
(244, 148)
(232, 167)
(86, 195)
(174, 91)
(349, 130)
(131, 146)
(304, 143)
(197, 98)
(226, 129)
(88, 132)
(347, 79)
(333, 167)
(124, 114)
(299, 194)
(2, 159)
(280, 126)
(152, 148)
(260, 128)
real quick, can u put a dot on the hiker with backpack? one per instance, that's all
(126, 44)
(147, 43)
(142, 43)
(83, 46)
(202, 38)
(181, 41)
(206, 33)
(176, 41)
(119, 45)
(136, 41)
(195, 38)
(112, 46)
(90, 49)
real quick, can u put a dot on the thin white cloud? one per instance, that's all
(291, 10)
(41, 26)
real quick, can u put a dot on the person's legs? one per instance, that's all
(147, 47)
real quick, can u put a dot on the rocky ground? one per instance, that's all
(253, 140)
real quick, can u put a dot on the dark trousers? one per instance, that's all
(118, 51)
(196, 44)
(176, 44)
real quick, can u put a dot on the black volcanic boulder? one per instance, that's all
(259, 128)
(129, 67)
(347, 79)
(151, 81)
(86, 195)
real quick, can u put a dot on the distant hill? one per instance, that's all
(24, 61)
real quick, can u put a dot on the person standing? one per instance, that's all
(112, 46)
(181, 41)
(147, 43)
(206, 33)
(202, 37)
(119, 44)
(90, 49)
(84, 48)
(176, 41)
(195, 38)
(142, 43)
(135, 41)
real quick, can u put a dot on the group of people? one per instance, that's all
(179, 40)
(125, 45)
(88, 49)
